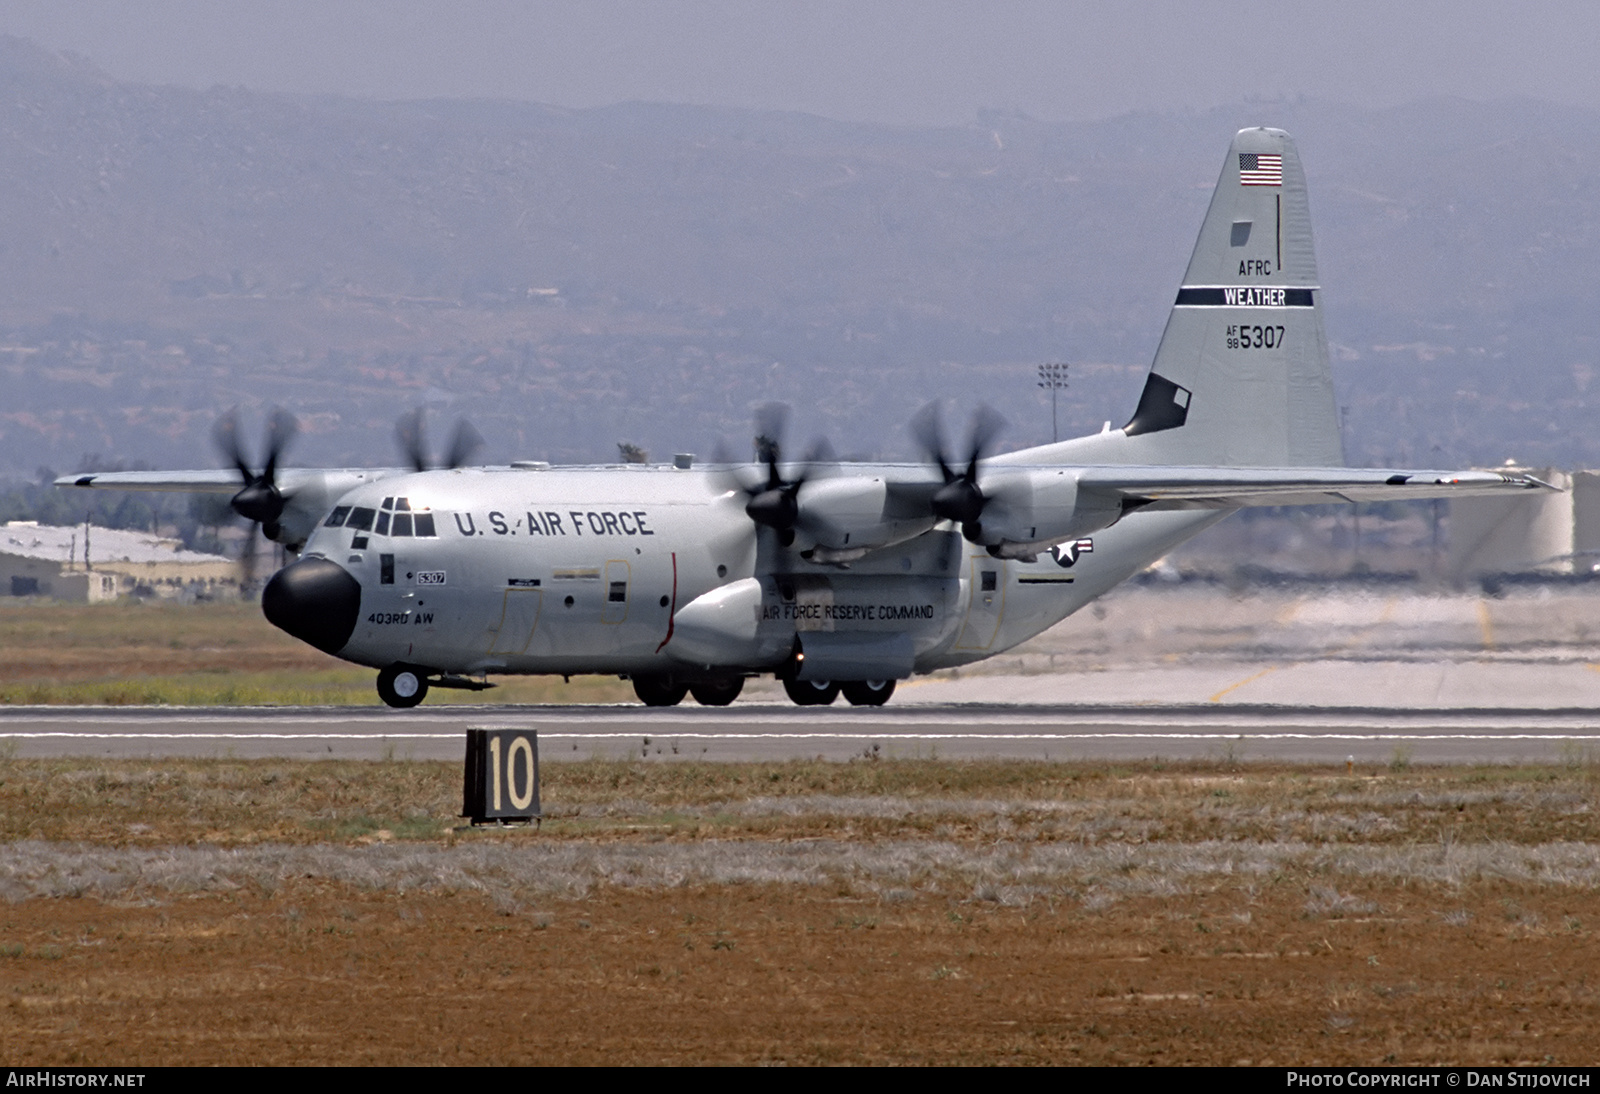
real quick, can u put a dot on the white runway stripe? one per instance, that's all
(824, 736)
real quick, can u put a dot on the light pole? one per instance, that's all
(1054, 377)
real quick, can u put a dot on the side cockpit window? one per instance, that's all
(336, 518)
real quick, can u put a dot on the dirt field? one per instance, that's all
(893, 912)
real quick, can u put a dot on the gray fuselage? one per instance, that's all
(572, 571)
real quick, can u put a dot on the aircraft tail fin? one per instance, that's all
(1241, 377)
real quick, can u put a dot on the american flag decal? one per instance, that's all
(1260, 169)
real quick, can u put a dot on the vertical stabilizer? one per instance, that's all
(1241, 377)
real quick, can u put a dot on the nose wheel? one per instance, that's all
(402, 686)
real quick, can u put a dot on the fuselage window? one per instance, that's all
(402, 524)
(361, 518)
(619, 592)
(336, 518)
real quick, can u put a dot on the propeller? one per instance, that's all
(259, 500)
(775, 502)
(960, 499)
(410, 432)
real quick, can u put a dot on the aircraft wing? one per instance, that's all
(195, 482)
(1234, 487)
(307, 493)
(291, 480)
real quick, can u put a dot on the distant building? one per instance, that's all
(88, 564)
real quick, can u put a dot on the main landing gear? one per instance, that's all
(867, 693)
(858, 693)
(668, 691)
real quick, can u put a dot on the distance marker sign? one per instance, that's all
(500, 781)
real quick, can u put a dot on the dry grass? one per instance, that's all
(130, 652)
(145, 803)
(897, 911)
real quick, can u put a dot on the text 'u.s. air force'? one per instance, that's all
(550, 522)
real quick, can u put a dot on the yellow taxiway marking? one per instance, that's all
(1217, 698)
(1485, 626)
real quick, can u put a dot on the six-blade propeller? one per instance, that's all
(464, 443)
(960, 499)
(775, 502)
(259, 500)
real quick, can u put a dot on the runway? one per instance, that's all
(1188, 672)
(754, 732)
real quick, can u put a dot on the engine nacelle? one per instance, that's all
(844, 518)
(1028, 511)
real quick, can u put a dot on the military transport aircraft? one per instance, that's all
(835, 577)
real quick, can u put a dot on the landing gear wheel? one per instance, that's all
(659, 691)
(812, 693)
(717, 693)
(402, 686)
(868, 693)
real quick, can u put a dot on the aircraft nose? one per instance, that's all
(315, 600)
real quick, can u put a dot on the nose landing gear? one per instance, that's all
(402, 686)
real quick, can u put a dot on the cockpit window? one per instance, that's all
(394, 518)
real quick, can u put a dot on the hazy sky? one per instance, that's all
(928, 61)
